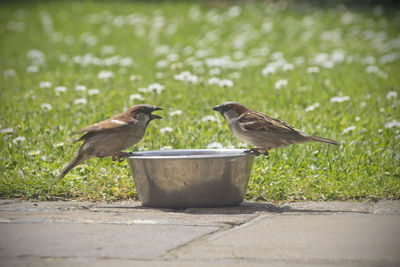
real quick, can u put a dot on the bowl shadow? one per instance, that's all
(246, 207)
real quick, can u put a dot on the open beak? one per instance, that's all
(154, 116)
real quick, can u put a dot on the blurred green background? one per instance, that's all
(330, 70)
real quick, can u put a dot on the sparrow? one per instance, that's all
(111, 136)
(260, 130)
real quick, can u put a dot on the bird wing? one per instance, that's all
(118, 122)
(257, 121)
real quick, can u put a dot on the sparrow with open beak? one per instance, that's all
(262, 131)
(110, 137)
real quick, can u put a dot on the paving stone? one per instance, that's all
(326, 207)
(62, 262)
(387, 207)
(340, 239)
(118, 213)
(63, 240)
(125, 233)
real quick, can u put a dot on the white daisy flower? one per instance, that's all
(175, 112)
(45, 107)
(59, 144)
(161, 64)
(60, 89)
(267, 27)
(280, 84)
(234, 11)
(105, 75)
(372, 69)
(7, 130)
(166, 129)
(176, 65)
(135, 78)
(126, 62)
(133, 97)
(156, 87)
(312, 69)
(186, 76)
(209, 118)
(268, 70)
(213, 80)
(370, 60)
(34, 152)
(287, 66)
(225, 83)
(339, 99)
(93, 92)
(19, 139)
(172, 57)
(45, 84)
(391, 94)
(36, 57)
(9, 72)
(107, 50)
(392, 124)
(348, 129)
(214, 71)
(328, 64)
(159, 75)
(32, 69)
(80, 101)
(389, 58)
(215, 145)
(80, 88)
(312, 107)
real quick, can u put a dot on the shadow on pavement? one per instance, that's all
(245, 208)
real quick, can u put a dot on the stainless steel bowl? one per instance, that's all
(184, 178)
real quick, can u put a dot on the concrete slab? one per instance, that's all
(318, 239)
(387, 207)
(129, 212)
(326, 207)
(66, 262)
(125, 233)
(58, 240)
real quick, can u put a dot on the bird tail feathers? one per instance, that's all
(323, 140)
(78, 159)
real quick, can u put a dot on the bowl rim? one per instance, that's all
(231, 154)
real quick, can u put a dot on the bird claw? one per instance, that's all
(120, 157)
(251, 151)
(117, 158)
(256, 151)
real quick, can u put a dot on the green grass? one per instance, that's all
(349, 40)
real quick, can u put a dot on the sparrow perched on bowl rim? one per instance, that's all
(111, 136)
(260, 130)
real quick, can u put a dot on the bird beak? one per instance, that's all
(217, 108)
(154, 116)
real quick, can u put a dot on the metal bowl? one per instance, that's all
(185, 178)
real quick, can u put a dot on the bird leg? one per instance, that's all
(258, 151)
(115, 155)
(120, 156)
(252, 151)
